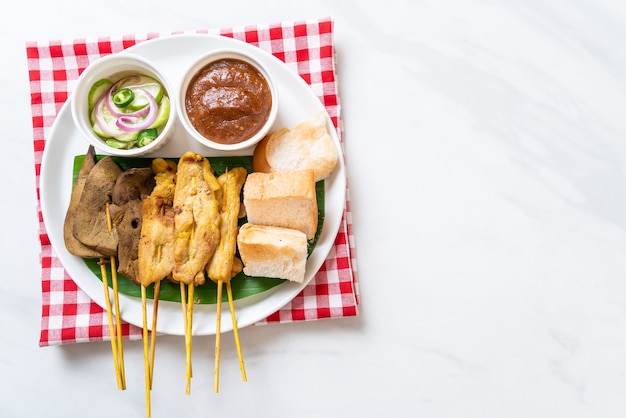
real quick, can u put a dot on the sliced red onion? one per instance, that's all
(129, 123)
(102, 125)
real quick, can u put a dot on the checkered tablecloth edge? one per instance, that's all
(307, 47)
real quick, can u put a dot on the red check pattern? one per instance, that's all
(307, 47)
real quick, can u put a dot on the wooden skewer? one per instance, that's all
(116, 301)
(218, 327)
(153, 333)
(146, 353)
(107, 300)
(231, 306)
(118, 320)
(183, 303)
(188, 334)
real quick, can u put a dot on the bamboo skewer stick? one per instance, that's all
(118, 320)
(183, 303)
(188, 334)
(153, 333)
(146, 353)
(116, 336)
(231, 306)
(221, 266)
(218, 327)
(107, 300)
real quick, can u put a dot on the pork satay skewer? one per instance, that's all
(156, 255)
(196, 220)
(220, 269)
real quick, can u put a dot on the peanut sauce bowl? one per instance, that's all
(124, 106)
(227, 100)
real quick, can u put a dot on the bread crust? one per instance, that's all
(286, 199)
(307, 145)
(275, 252)
(259, 158)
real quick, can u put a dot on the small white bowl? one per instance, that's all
(204, 61)
(114, 67)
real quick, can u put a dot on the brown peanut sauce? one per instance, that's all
(228, 101)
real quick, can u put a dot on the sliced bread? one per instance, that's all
(275, 252)
(285, 199)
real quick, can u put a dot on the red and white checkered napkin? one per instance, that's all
(68, 314)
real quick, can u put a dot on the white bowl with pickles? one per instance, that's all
(123, 106)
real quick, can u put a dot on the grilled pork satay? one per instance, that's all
(156, 252)
(196, 218)
(222, 266)
(156, 245)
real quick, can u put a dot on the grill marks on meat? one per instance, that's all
(156, 246)
(166, 220)
(158, 235)
(222, 266)
(196, 218)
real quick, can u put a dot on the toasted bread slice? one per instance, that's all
(286, 199)
(275, 252)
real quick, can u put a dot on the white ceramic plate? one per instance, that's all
(172, 54)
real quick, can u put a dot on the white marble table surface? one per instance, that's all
(485, 142)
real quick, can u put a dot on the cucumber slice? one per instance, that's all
(109, 120)
(97, 90)
(95, 127)
(145, 82)
(114, 143)
(129, 138)
(163, 114)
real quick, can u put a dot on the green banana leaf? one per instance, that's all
(242, 285)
